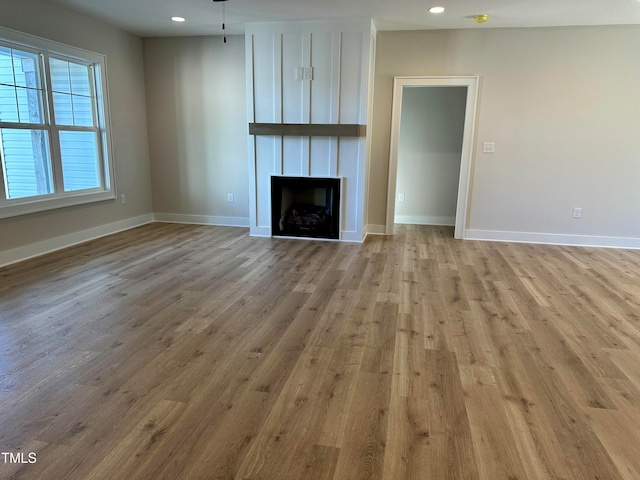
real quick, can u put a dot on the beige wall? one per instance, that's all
(196, 104)
(562, 106)
(128, 117)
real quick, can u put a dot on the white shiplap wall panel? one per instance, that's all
(336, 59)
(339, 53)
(348, 167)
(265, 91)
(306, 105)
(293, 101)
(267, 163)
(321, 152)
(350, 77)
(306, 156)
(294, 155)
(321, 87)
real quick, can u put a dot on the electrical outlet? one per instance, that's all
(577, 212)
(401, 197)
(123, 198)
(229, 197)
(489, 147)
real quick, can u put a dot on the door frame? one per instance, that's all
(472, 84)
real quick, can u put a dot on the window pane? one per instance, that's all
(72, 99)
(82, 111)
(24, 103)
(19, 68)
(64, 109)
(25, 67)
(8, 105)
(80, 162)
(60, 81)
(30, 105)
(79, 79)
(26, 162)
(6, 66)
(73, 110)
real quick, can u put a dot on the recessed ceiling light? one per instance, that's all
(178, 19)
(436, 9)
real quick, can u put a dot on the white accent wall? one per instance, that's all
(340, 55)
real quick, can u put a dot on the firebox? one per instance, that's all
(305, 207)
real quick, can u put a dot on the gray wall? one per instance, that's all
(429, 151)
(198, 127)
(128, 117)
(561, 104)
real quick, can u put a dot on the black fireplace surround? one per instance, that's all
(305, 207)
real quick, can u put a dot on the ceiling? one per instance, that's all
(148, 18)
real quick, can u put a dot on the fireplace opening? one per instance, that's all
(305, 207)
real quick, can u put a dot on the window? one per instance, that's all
(54, 138)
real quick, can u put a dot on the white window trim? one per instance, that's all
(23, 206)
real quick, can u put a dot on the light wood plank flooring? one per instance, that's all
(192, 352)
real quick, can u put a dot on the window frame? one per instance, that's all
(46, 49)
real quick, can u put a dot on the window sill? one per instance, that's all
(45, 204)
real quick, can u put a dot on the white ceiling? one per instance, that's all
(151, 17)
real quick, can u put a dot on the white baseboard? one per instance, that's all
(201, 219)
(26, 252)
(376, 230)
(306, 239)
(553, 239)
(352, 237)
(259, 232)
(425, 220)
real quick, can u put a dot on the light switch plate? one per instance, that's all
(304, 73)
(489, 147)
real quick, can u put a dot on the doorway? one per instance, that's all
(447, 155)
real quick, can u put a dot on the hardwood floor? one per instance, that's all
(192, 352)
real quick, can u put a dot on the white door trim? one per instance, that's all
(467, 142)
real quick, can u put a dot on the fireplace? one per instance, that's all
(315, 127)
(305, 207)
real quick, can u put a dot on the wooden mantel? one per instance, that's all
(309, 129)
